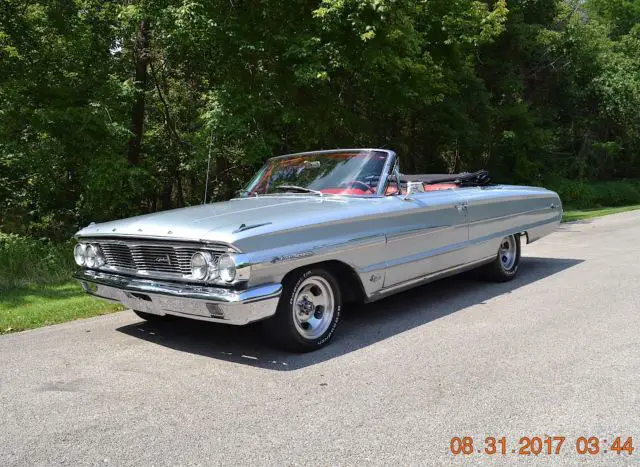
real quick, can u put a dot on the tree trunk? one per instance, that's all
(180, 193)
(165, 196)
(141, 54)
(223, 177)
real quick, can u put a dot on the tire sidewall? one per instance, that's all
(514, 269)
(288, 307)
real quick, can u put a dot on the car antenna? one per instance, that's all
(206, 185)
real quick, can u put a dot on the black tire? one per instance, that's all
(496, 271)
(153, 318)
(282, 331)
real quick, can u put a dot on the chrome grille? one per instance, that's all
(156, 258)
(150, 257)
(118, 255)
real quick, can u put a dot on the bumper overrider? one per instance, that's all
(205, 303)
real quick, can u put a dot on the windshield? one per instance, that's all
(340, 173)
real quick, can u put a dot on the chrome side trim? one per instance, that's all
(273, 265)
(517, 230)
(454, 247)
(382, 293)
(410, 231)
(509, 216)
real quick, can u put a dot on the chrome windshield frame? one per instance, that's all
(386, 171)
(384, 175)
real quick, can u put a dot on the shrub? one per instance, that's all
(586, 195)
(26, 261)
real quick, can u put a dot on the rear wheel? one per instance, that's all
(308, 312)
(505, 266)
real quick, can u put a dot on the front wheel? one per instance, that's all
(505, 266)
(308, 312)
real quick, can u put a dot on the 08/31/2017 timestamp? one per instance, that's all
(541, 445)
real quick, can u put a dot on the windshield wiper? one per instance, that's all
(298, 189)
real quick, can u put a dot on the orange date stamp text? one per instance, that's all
(541, 445)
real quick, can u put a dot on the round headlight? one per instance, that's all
(91, 256)
(200, 265)
(100, 258)
(78, 253)
(227, 268)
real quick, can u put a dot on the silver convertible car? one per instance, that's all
(311, 232)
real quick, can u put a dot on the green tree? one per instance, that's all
(111, 108)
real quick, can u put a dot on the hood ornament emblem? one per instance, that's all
(165, 259)
(244, 227)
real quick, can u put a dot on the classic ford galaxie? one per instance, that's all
(311, 232)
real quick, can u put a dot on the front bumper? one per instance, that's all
(190, 301)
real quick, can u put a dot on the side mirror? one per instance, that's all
(413, 187)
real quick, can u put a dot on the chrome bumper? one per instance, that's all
(190, 301)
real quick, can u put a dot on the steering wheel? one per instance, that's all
(358, 184)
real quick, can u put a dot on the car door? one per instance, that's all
(482, 213)
(426, 233)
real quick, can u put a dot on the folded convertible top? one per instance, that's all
(480, 178)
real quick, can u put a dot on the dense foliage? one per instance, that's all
(110, 108)
(27, 261)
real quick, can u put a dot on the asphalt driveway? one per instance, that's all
(555, 352)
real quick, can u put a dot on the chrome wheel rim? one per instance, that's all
(507, 252)
(313, 307)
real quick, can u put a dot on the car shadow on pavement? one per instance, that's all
(361, 326)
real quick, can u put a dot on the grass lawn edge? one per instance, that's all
(573, 215)
(32, 307)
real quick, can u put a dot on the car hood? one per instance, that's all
(232, 220)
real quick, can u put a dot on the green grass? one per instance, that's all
(35, 306)
(581, 214)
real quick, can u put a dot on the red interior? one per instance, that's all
(391, 189)
(440, 186)
(346, 191)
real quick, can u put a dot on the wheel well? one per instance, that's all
(349, 282)
(526, 237)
